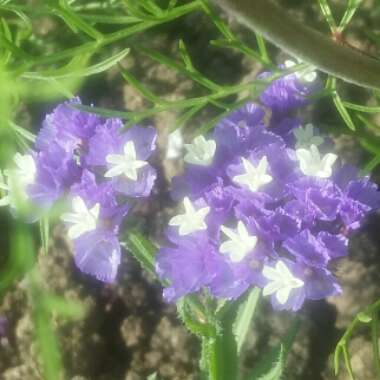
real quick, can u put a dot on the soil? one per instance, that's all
(128, 332)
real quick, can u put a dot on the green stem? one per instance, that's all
(375, 342)
(313, 47)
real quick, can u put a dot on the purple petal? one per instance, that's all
(97, 253)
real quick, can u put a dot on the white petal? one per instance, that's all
(176, 220)
(78, 205)
(114, 172)
(271, 287)
(270, 273)
(5, 201)
(129, 150)
(282, 295)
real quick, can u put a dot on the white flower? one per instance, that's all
(192, 220)
(200, 151)
(25, 171)
(5, 200)
(254, 177)
(306, 75)
(311, 163)
(282, 282)
(82, 219)
(126, 163)
(305, 137)
(17, 179)
(240, 243)
(175, 144)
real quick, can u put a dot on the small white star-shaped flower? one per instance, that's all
(200, 151)
(126, 163)
(18, 179)
(175, 144)
(82, 219)
(282, 282)
(25, 170)
(240, 243)
(306, 75)
(305, 137)
(5, 200)
(192, 220)
(254, 177)
(311, 163)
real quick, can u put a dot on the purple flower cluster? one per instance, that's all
(265, 203)
(102, 169)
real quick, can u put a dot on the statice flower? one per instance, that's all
(263, 203)
(290, 91)
(99, 169)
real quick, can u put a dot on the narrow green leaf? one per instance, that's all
(272, 365)
(66, 72)
(263, 48)
(375, 342)
(340, 105)
(352, 7)
(153, 376)
(221, 26)
(145, 92)
(143, 250)
(347, 362)
(64, 308)
(183, 119)
(237, 45)
(244, 317)
(371, 165)
(337, 355)
(193, 74)
(360, 108)
(326, 11)
(74, 21)
(24, 133)
(194, 318)
(185, 56)
(44, 232)
(364, 317)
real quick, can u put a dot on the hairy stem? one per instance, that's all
(311, 46)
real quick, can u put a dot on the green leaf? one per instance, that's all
(326, 11)
(340, 105)
(22, 132)
(360, 108)
(364, 317)
(352, 7)
(271, 367)
(191, 73)
(74, 21)
(69, 72)
(146, 93)
(44, 232)
(272, 364)
(143, 250)
(194, 317)
(185, 56)
(244, 317)
(153, 376)
(371, 165)
(63, 308)
(262, 48)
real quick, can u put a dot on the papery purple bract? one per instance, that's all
(71, 156)
(279, 207)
